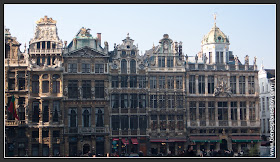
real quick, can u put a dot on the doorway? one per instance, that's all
(223, 145)
(86, 148)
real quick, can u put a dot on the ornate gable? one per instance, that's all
(85, 52)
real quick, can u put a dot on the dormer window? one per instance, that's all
(219, 38)
(123, 54)
(128, 46)
(133, 53)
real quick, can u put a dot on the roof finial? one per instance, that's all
(128, 35)
(215, 16)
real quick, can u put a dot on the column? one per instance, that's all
(246, 85)
(206, 113)
(256, 83)
(40, 141)
(197, 114)
(176, 148)
(188, 114)
(229, 114)
(187, 83)
(237, 85)
(51, 142)
(217, 146)
(107, 145)
(216, 113)
(206, 84)
(247, 113)
(215, 80)
(257, 111)
(156, 61)
(196, 84)
(238, 114)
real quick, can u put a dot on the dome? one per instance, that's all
(215, 36)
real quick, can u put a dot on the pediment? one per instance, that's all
(85, 52)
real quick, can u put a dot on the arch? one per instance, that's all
(73, 115)
(86, 148)
(86, 115)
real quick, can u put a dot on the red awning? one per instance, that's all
(168, 140)
(125, 141)
(246, 138)
(115, 139)
(134, 141)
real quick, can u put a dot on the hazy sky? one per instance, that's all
(251, 28)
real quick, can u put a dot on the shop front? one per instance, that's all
(163, 146)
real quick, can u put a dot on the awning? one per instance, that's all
(246, 138)
(125, 141)
(115, 139)
(168, 140)
(134, 141)
(265, 143)
(204, 138)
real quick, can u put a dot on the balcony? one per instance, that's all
(193, 123)
(212, 123)
(223, 123)
(45, 51)
(243, 123)
(15, 122)
(253, 123)
(234, 123)
(202, 123)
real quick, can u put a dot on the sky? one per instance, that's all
(251, 28)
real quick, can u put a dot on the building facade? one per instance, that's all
(79, 99)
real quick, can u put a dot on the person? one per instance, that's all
(190, 151)
(169, 154)
(141, 154)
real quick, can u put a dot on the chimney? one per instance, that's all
(99, 38)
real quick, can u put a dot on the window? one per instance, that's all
(11, 84)
(49, 60)
(171, 101)
(267, 103)
(45, 86)
(56, 86)
(86, 85)
(133, 101)
(243, 110)
(115, 101)
(21, 80)
(142, 101)
(86, 117)
(142, 81)
(252, 113)
(56, 109)
(180, 122)
(169, 61)
(171, 122)
(123, 53)
(264, 126)
(99, 68)
(38, 61)
(192, 84)
(43, 60)
(170, 82)
(124, 122)
(217, 57)
(180, 100)
(123, 66)
(242, 84)
(262, 101)
(142, 122)
(35, 134)
(211, 110)
(72, 68)
(21, 132)
(233, 110)
(233, 84)
(222, 111)
(56, 133)
(72, 88)
(132, 52)
(210, 57)
(222, 57)
(251, 85)
(133, 122)
(124, 81)
(179, 82)
(21, 113)
(193, 110)
(45, 111)
(202, 115)
(132, 66)
(161, 61)
(73, 117)
(133, 81)
(153, 101)
(86, 68)
(162, 82)
(45, 133)
(35, 115)
(201, 84)
(162, 101)
(210, 84)
(154, 122)
(99, 89)
(115, 122)
(115, 81)
(162, 122)
(124, 101)
(153, 82)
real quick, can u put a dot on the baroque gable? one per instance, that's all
(85, 52)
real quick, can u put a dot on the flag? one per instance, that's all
(12, 108)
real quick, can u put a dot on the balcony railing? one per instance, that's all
(202, 123)
(45, 51)
(234, 123)
(15, 122)
(244, 123)
(223, 123)
(212, 123)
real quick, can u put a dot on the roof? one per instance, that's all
(270, 73)
(215, 35)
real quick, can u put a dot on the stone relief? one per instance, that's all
(255, 60)
(246, 60)
(223, 89)
(66, 91)
(236, 60)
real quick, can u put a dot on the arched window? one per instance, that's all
(123, 66)
(73, 116)
(86, 118)
(133, 66)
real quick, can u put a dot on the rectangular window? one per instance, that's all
(192, 110)
(99, 89)
(171, 101)
(222, 57)
(210, 57)
(210, 84)
(115, 81)
(143, 122)
(251, 85)
(180, 122)
(45, 133)
(124, 101)
(162, 122)
(72, 88)
(21, 84)
(161, 61)
(115, 122)
(154, 124)
(162, 101)
(233, 107)
(242, 84)
(124, 122)
(56, 86)
(252, 113)
(192, 84)
(56, 109)
(86, 68)
(124, 81)
(56, 133)
(222, 111)
(133, 122)
(142, 81)
(133, 81)
(267, 103)
(35, 134)
(11, 84)
(263, 104)
(162, 82)
(115, 101)
(133, 101)
(45, 111)
(153, 82)
(243, 110)
(86, 85)
(45, 86)
(179, 82)
(153, 101)
(202, 115)
(233, 84)
(142, 101)
(211, 110)
(217, 57)
(171, 122)
(169, 61)
(72, 68)
(180, 100)
(170, 82)
(201, 84)
(35, 113)
(99, 68)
